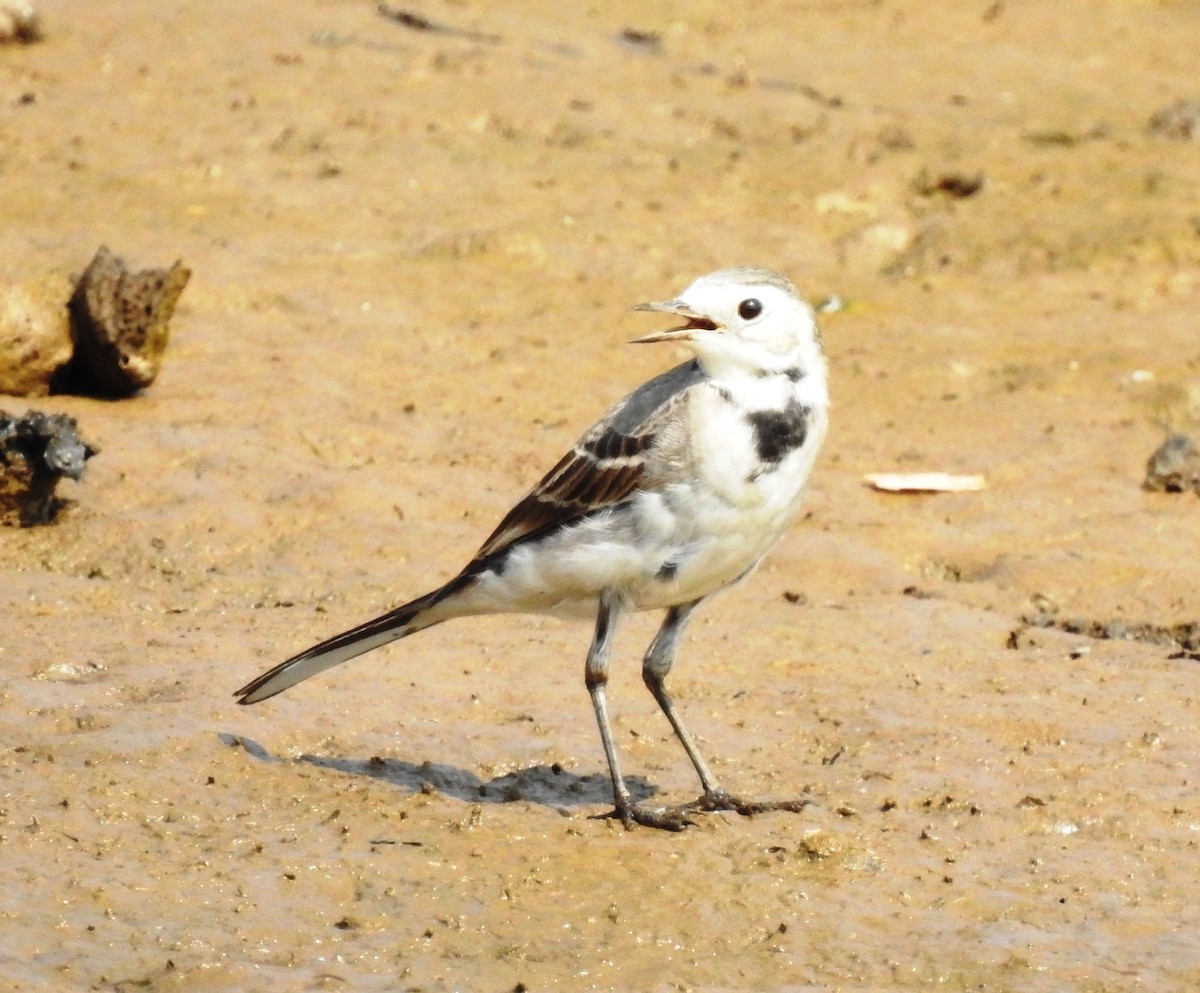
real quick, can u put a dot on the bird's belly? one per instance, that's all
(645, 553)
(721, 547)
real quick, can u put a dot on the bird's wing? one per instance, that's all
(606, 466)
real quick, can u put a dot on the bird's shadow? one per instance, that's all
(548, 785)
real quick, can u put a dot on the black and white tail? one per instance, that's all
(399, 623)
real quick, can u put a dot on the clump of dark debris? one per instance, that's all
(952, 185)
(1174, 467)
(1184, 636)
(1178, 121)
(36, 451)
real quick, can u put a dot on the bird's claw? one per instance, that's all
(663, 818)
(715, 800)
(679, 819)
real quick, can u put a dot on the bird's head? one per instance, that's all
(743, 320)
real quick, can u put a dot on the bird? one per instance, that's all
(675, 494)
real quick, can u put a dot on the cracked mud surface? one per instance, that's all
(413, 252)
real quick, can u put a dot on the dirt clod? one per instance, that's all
(1178, 121)
(36, 451)
(1174, 467)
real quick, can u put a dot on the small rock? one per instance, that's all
(650, 41)
(19, 22)
(951, 184)
(1179, 121)
(36, 451)
(35, 335)
(1174, 467)
(120, 321)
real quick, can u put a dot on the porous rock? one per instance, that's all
(120, 321)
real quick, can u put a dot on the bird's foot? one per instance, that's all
(663, 818)
(679, 818)
(714, 800)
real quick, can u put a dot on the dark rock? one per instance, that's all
(1174, 467)
(36, 451)
(120, 322)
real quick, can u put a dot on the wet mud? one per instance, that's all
(413, 243)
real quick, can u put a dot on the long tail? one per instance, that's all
(399, 623)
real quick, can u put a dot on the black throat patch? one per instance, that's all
(779, 432)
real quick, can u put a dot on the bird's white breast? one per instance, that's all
(738, 505)
(726, 451)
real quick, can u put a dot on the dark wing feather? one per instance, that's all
(606, 466)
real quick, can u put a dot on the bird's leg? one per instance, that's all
(660, 656)
(596, 678)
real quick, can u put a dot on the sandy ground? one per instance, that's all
(413, 254)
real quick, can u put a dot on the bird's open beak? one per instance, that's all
(695, 322)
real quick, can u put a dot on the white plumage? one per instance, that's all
(676, 493)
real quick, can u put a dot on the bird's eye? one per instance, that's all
(749, 309)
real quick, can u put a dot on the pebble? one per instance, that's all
(35, 335)
(18, 22)
(1174, 467)
(1179, 121)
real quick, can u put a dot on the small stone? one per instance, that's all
(36, 451)
(1179, 121)
(35, 335)
(951, 184)
(19, 22)
(1174, 467)
(120, 321)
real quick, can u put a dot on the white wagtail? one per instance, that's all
(676, 493)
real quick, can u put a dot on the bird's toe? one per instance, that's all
(715, 800)
(662, 818)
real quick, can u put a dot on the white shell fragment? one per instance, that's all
(924, 482)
